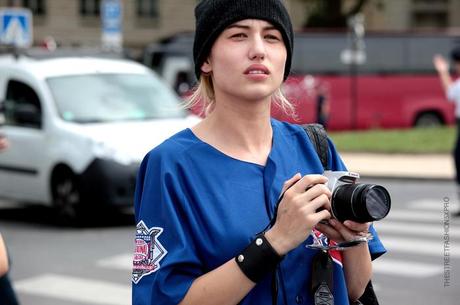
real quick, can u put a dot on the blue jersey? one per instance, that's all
(196, 208)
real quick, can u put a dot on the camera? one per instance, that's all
(358, 202)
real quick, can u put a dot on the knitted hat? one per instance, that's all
(214, 16)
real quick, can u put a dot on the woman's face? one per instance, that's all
(247, 60)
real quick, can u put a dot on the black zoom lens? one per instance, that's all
(360, 202)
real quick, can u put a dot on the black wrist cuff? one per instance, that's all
(258, 259)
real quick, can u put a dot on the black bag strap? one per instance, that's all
(318, 136)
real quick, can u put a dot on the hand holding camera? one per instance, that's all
(304, 203)
(309, 200)
(353, 206)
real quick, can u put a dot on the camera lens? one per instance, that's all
(377, 201)
(360, 202)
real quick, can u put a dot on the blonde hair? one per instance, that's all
(203, 95)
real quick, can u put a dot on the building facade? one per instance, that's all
(77, 22)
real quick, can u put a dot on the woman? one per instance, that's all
(203, 195)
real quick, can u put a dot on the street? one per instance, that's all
(76, 266)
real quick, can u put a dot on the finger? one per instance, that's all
(319, 203)
(356, 226)
(344, 231)
(321, 215)
(330, 232)
(308, 181)
(316, 191)
(288, 183)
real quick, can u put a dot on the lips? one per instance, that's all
(257, 69)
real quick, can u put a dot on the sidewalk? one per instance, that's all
(402, 166)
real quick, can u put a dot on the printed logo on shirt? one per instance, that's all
(148, 251)
(334, 254)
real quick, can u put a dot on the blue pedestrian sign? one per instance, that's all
(16, 27)
(112, 24)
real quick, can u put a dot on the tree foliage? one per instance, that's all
(330, 13)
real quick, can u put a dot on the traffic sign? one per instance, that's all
(112, 22)
(16, 27)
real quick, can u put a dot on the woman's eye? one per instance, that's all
(272, 38)
(238, 35)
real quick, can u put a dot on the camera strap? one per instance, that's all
(318, 136)
(322, 279)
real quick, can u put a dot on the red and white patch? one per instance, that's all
(148, 251)
(336, 255)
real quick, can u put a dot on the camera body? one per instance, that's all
(337, 178)
(354, 201)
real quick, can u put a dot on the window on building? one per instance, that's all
(36, 6)
(430, 19)
(147, 8)
(90, 7)
(430, 14)
(429, 1)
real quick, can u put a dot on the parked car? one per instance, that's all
(78, 128)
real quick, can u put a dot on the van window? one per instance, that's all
(20, 96)
(113, 97)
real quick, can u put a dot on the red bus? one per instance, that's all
(396, 87)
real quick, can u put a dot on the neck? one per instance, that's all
(246, 123)
(239, 129)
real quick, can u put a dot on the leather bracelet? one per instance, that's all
(258, 259)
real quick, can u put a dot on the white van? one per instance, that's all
(78, 128)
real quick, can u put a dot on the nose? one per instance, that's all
(257, 48)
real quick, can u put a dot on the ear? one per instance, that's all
(206, 67)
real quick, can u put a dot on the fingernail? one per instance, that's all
(333, 222)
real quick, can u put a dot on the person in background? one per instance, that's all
(3, 142)
(7, 295)
(322, 104)
(452, 90)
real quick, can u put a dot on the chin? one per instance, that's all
(258, 92)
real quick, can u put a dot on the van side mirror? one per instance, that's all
(28, 115)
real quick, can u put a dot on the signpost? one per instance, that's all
(16, 27)
(355, 56)
(112, 25)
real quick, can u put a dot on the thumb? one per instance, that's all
(288, 183)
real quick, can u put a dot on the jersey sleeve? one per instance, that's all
(165, 261)
(336, 163)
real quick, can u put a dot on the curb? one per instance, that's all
(407, 178)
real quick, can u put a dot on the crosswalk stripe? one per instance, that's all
(418, 246)
(433, 205)
(415, 215)
(76, 289)
(428, 230)
(405, 268)
(121, 262)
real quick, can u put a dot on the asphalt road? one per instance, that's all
(91, 265)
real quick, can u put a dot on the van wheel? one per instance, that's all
(66, 197)
(428, 119)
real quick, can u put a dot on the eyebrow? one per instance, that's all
(247, 27)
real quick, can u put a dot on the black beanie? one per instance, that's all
(214, 16)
